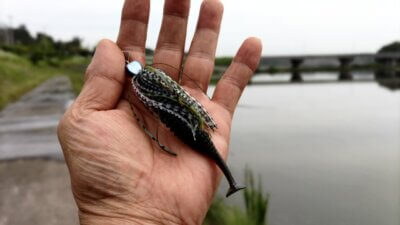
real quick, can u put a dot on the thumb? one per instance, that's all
(104, 79)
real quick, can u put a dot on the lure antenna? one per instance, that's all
(180, 74)
(127, 55)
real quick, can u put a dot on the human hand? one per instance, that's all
(118, 174)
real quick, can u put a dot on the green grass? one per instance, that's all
(75, 68)
(223, 61)
(18, 75)
(255, 200)
(256, 207)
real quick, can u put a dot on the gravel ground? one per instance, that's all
(34, 180)
(36, 191)
(28, 126)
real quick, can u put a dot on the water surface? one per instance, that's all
(328, 154)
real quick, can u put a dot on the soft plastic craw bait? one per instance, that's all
(178, 111)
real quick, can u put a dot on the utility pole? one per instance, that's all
(6, 30)
(3, 32)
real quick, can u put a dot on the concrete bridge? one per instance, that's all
(297, 60)
(388, 59)
(342, 62)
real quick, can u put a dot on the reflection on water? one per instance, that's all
(386, 78)
(327, 153)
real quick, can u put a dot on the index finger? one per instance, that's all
(133, 29)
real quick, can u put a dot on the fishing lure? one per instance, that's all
(180, 112)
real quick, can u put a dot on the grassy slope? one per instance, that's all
(75, 68)
(18, 75)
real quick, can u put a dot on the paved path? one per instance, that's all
(28, 127)
(35, 191)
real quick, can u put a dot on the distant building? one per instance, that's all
(6, 35)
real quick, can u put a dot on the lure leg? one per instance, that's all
(163, 147)
(147, 131)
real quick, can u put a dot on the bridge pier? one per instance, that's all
(296, 74)
(386, 68)
(345, 75)
(345, 68)
(385, 74)
(397, 69)
(387, 62)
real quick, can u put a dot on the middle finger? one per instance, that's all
(199, 63)
(172, 37)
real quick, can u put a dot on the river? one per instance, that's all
(327, 153)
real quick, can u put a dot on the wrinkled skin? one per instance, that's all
(118, 174)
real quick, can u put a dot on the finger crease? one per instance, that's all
(178, 16)
(166, 46)
(135, 48)
(205, 55)
(112, 79)
(232, 82)
(242, 64)
(131, 20)
(207, 29)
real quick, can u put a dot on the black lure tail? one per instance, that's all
(205, 144)
(202, 144)
(233, 189)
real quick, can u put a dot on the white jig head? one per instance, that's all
(134, 67)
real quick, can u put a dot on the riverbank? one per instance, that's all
(19, 75)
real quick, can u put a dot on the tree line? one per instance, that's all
(41, 47)
(393, 47)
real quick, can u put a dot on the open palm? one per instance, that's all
(118, 174)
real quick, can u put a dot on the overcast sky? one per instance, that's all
(285, 26)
